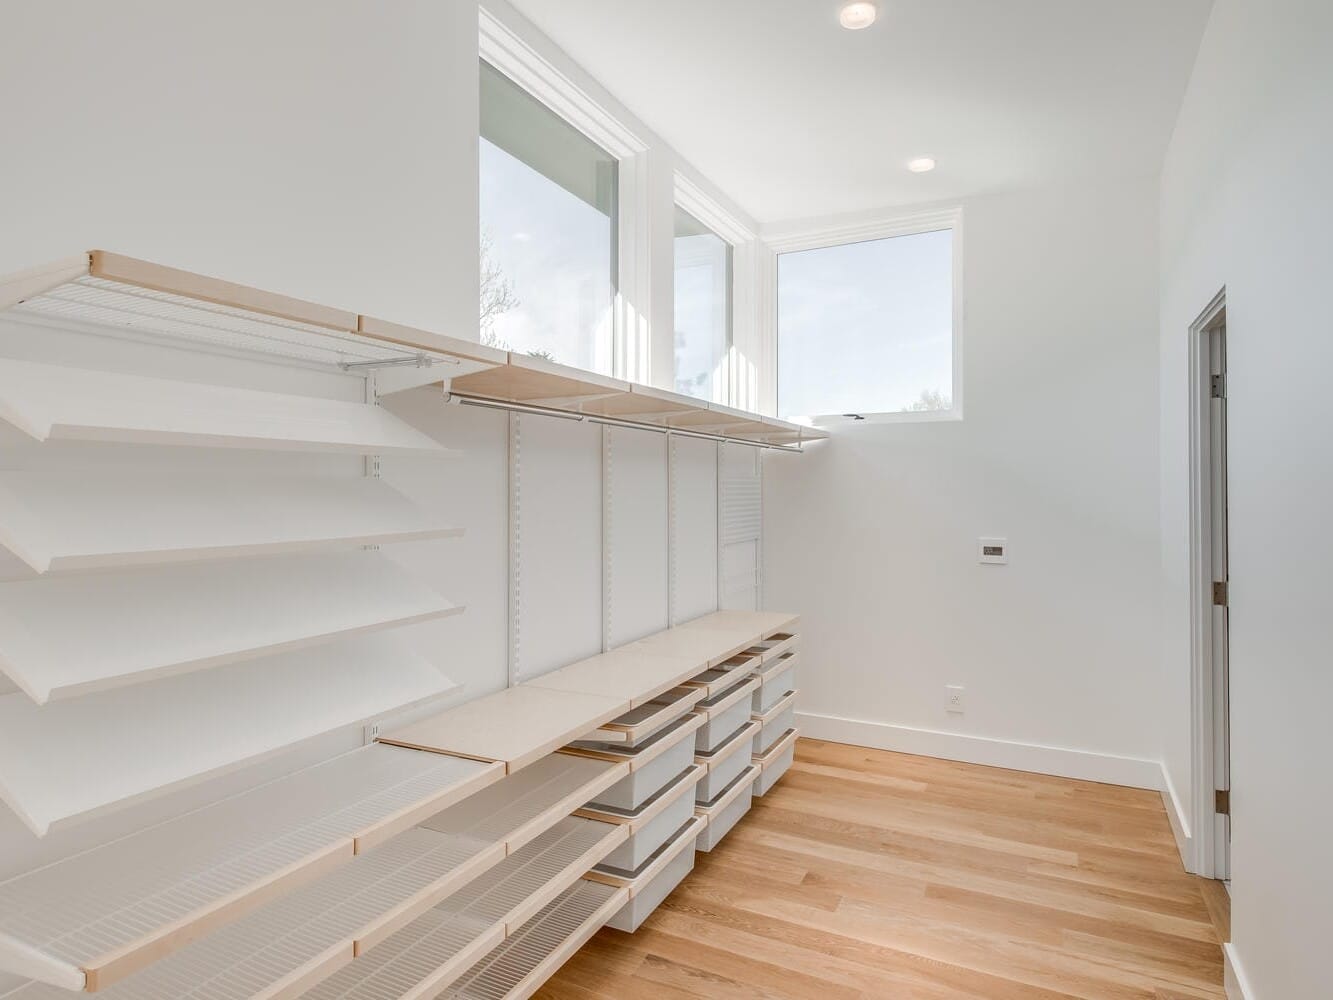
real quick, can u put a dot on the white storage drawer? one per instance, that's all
(726, 674)
(775, 645)
(653, 764)
(727, 761)
(640, 724)
(653, 880)
(776, 678)
(726, 810)
(723, 714)
(653, 823)
(774, 723)
(775, 762)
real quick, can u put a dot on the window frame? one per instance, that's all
(727, 285)
(506, 52)
(824, 236)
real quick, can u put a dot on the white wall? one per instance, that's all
(1246, 205)
(872, 536)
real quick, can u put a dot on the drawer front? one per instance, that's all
(716, 731)
(643, 783)
(726, 811)
(775, 680)
(771, 773)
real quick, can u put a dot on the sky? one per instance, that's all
(865, 327)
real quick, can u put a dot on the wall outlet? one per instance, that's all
(993, 550)
(953, 699)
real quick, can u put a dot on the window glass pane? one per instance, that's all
(867, 327)
(703, 307)
(548, 231)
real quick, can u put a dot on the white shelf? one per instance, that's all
(626, 672)
(517, 969)
(528, 803)
(51, 403)
(759, 623)
(76, 520)
(73, 759)
(140, 625)
(118, 907)
(425, 956)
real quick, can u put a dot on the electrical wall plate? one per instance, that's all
(993, 550)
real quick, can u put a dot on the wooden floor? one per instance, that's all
(867, 874)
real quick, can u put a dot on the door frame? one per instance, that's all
(1211, 859)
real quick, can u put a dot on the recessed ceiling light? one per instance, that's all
(857, 15)
(921, 165)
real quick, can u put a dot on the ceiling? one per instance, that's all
(792, 116)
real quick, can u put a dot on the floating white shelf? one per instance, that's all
(139, 625)
(120, 906)
(76, 520)
(517, 968)
(711, 646)
(758, 623)
(72, 759)
(425, 956)
(517, 726)
(626, 672)
(50, 403)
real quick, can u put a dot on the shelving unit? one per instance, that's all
(628, 672)
(72, 759)
(117, 908)
(141, 625)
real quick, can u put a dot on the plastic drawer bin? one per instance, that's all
(775, 762)
(775, 645)
(726, 810)
(723, 715)
(653, 765)
(727, 674)
(775, 723)
(727, 761)
(775, 680)
(653, 823)
(653, 881)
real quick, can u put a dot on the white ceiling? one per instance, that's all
(792, 116)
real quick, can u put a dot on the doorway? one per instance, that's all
(1211, 592)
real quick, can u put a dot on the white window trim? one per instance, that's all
(504, 49)
(820, 235)
(739, 385)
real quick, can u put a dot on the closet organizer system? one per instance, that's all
(162, 630)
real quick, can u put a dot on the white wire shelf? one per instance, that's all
(73, 759)
(113, 909)
(78, 519)
(529, 802)
(51, 403)
(425, 956)
(517, 968)
(144, 624)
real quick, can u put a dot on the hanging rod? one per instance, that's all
(595, 418)
(416, 361)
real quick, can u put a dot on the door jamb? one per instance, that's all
(1203, 721)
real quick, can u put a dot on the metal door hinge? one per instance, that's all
(1220, 593)
(1222, 802)
(1219, 387)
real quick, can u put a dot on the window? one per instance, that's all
(867, 328)
(703, 308)
(548, 231)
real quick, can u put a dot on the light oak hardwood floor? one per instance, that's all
(867, 874)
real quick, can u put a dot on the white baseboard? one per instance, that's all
(1179, 819)
(1238, 987)
(1058, 761)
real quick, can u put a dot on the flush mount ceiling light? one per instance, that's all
(857, 14)
(921, 165)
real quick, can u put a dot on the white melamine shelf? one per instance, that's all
(516, 969)
(120, 906)
(626, 672)
(51, 403)
(140, 625)
(760, 623)
(76, 520)
(72, 759)
(529, 802)
(707, 646)
(518, 726)
(428, 954)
